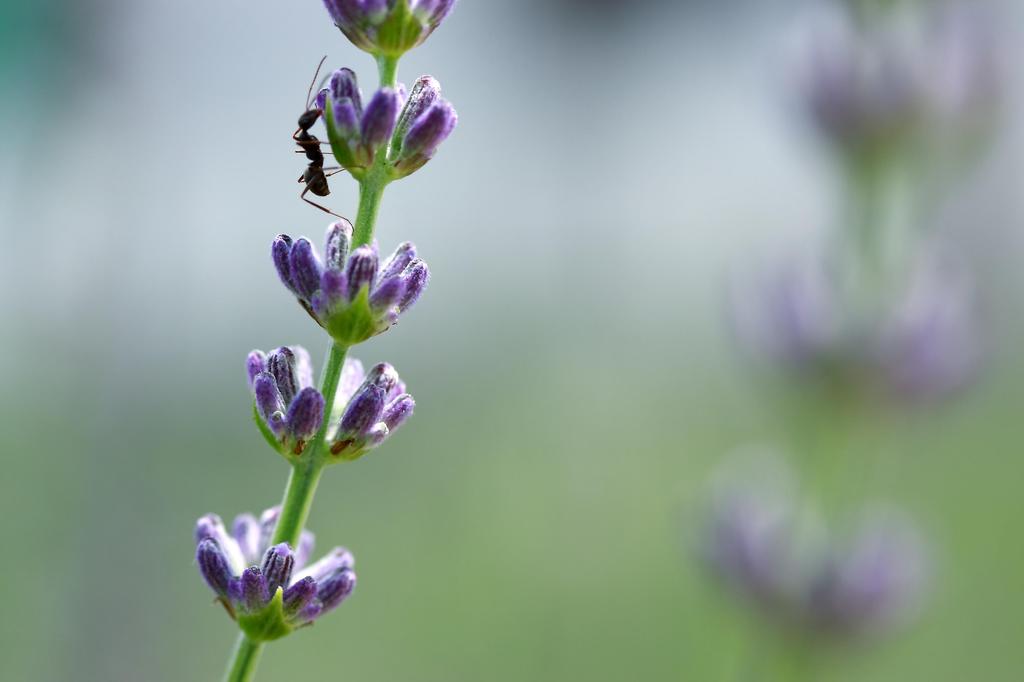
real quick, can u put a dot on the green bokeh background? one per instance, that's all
(575, 382)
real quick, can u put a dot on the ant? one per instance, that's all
(314, 176)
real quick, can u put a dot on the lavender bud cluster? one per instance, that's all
(388, 27)
(368, 406)
(407, 130)
(289, 408)
(269, 590)
(349, 292)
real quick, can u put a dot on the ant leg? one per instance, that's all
(334, 171)
(313, 203)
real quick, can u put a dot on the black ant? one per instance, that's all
(314, 176)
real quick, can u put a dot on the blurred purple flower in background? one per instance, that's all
(764, 543)
(922, 343)
(923, 77)
(872, 582)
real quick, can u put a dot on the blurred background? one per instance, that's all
(574, 369)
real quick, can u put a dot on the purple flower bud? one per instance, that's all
(305, 414)
(299, 595)
(305, 267)
(211, 527)
(388, 293)
(383, 376)
(424, 93)
(428, 131)
(398, 261)
(363, 410)
(280, 251)
(416, 276)
(397, 411)
(337, 243)
(281, 365)
(254, 589)
(255, 363)
(337, 559)
(305, 548)
(336, 588)
(277, 567)
(321, 99)
(334, 285)
(246, 531)
(310, 613)
(214, 566)
(362, 270)
(344, 85)
(379, 118)
(345, 118)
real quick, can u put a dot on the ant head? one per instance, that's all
(308, 118)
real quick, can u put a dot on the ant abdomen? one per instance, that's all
(315, 181)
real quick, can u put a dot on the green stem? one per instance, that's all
(371, 186)
(244, 660)
(387, 67)
(298, 495)
(305, 474)
(298, 499)
(371, 189)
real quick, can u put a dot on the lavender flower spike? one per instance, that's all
(334, 299)
(372, 413)
(272, 599)
(289, 409)
(387, 27)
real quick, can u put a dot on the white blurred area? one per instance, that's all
(591, 161)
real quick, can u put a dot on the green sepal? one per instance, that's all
(268, 435)
(269, 623)
(354, 323)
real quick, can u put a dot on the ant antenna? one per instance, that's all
(309, 93)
